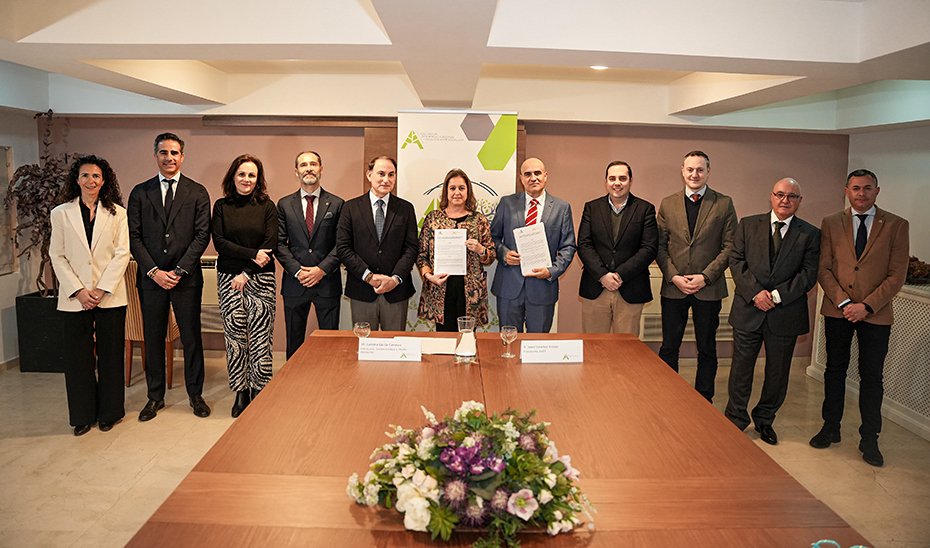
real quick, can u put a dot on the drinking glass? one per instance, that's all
(508, 335)
(362, 329)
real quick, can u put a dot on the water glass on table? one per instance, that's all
(508, 335)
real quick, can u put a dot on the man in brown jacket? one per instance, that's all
(863, 263)
(696, 229)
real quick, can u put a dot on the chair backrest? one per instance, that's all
(134, 309)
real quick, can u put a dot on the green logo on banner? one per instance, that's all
(500, 145)
(412, 139)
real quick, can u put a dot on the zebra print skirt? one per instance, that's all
(248, 323)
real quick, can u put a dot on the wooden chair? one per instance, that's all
(134, 327)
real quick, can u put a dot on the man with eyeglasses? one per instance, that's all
(530, 299)
(696, 227)
(774, 264)
(862, 267)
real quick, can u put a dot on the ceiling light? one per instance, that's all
(598, 67)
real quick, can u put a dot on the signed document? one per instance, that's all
(449, 251)
(533, 248)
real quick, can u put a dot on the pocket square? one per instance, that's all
(329, 215)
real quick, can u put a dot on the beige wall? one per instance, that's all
(745, 164)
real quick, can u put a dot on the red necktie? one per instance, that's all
(531, 213)
(310, 214)
(695, 197)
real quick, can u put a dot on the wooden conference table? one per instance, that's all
(661, 466)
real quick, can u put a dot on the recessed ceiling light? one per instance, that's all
(598, 67)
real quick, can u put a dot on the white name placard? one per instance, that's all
(571, 351)
(434, 345)
(389, 350)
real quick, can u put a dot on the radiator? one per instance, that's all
(650, 327)
(210, 319)
(907, 383)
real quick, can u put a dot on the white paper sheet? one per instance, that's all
(533, 247)
(449, 251)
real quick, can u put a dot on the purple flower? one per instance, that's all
(475, 513)
(499, 500)
(455, 492)
(522, 504)
(528, 443)
(477, 468)
(496, 464)
(447, 455)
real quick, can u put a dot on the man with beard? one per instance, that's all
(307, 221)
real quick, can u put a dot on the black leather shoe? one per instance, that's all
(767, 434)
(150, 410)
(106, 426)
(243, 397)
(869, 449)
(81, 429)
(200, 407)
(825, 437)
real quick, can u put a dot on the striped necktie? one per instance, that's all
(531, 213)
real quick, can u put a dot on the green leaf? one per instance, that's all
(441, 522)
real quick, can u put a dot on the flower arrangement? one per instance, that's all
(499, 474)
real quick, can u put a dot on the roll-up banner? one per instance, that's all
(430, 143)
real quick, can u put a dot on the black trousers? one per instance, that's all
(778, 352)
(186, 304)
(454, 304)
(95, 386)
(706, 316)
(873, 347)
(296, 312)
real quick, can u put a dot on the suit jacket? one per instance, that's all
(358, 247)
(170, 240)
(297, 248)
(560, 233)
(706, 252)
(793, 274)
(873, 279)
(79, 266)
(630, 256)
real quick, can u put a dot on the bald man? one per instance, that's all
(774, 264)
(530, 300)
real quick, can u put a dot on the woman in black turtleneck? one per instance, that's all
(245, 231)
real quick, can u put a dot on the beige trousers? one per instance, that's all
(609, 313)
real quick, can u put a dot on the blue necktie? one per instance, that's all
(379, 218)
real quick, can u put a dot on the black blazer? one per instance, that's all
(296, 248)
(629, 257)
(169, 241)
(358, 247)
(793, 274)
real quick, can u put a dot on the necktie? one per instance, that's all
(169, 196)
(862, 235)
(695, 198)
(309, 216)
(531, 213)
(776, 236)
(379, 218)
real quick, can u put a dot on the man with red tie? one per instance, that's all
(307, 222)
(530, 300)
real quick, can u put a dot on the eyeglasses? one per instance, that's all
(791, 197)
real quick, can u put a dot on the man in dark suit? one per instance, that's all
(169, 229)
(696, 227)
(377, 242)
(307, 222)
(531, 299)
(774, 265)
(862, 267)
(617, 241)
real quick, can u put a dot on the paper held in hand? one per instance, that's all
(449, 251)
(533, 247)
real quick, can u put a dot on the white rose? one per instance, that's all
(417, 515)
(405, 492)
(550, 479)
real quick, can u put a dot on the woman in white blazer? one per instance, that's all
(90, 251)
